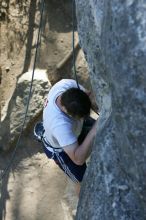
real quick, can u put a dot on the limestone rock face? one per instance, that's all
(113, 36)
(13, 113)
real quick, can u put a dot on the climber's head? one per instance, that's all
(76, 103)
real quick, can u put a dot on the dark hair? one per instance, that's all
(76, 102)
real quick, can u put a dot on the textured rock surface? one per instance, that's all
(13, 113)
(113, 36)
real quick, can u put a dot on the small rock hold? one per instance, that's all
(123, 187)
(114, 205)
(7, 68)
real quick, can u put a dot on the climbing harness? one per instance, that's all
(30, 92)
(39, 135)
(53, 152)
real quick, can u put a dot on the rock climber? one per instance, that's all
(67, 131)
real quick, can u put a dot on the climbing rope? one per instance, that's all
(73, 42)
(30, 92)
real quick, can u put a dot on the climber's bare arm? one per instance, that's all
(79, 153)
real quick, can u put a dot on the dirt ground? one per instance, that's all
(34, 187)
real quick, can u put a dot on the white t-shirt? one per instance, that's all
(60, 129)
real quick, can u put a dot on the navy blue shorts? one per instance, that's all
(74, 171)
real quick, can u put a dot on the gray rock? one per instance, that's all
(14, 111)
(113, 37)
